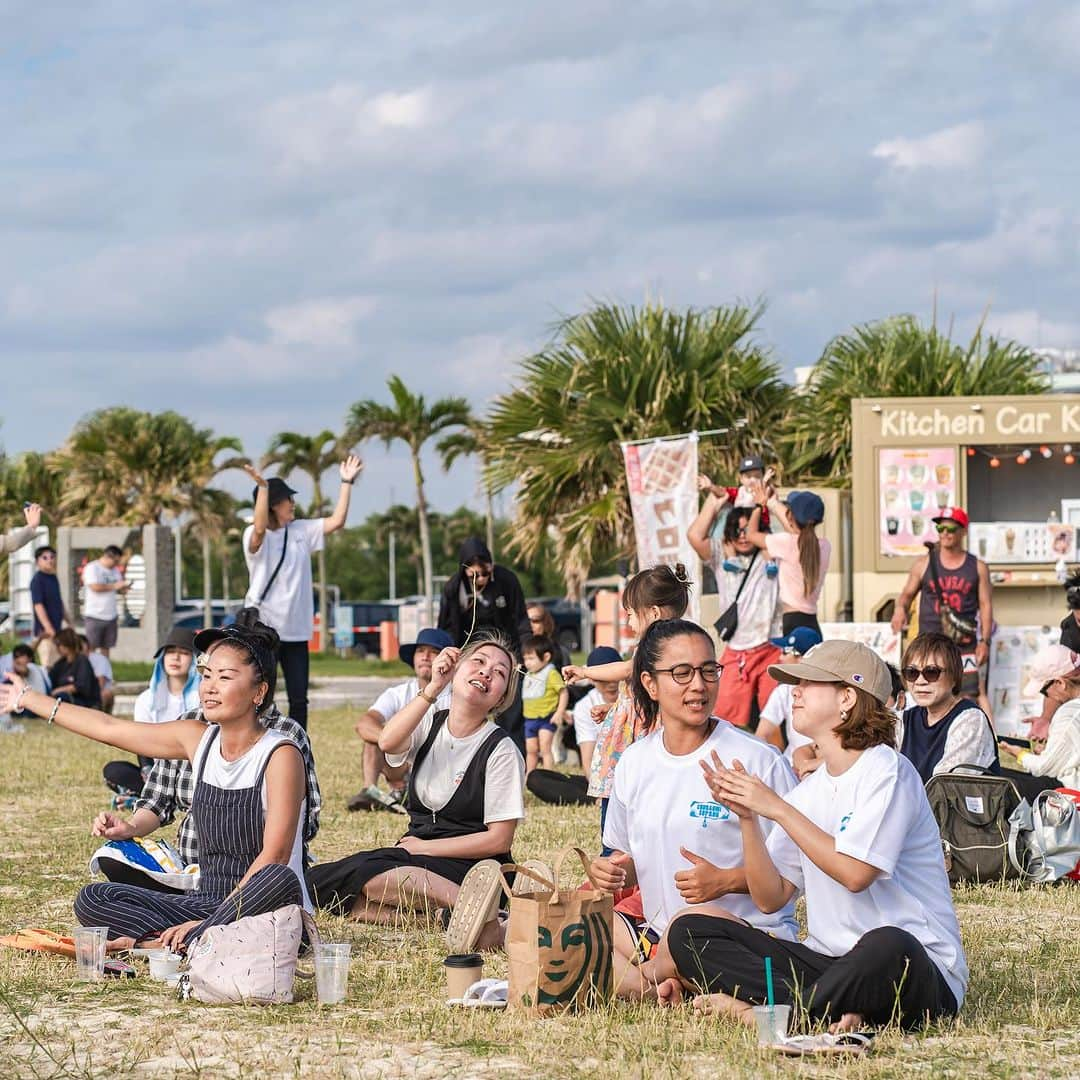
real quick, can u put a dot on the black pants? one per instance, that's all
(790, 619)
(293, 656)
(887, 977)
(123, 777)
(512, 721)
(561, 789)
(1030, 786)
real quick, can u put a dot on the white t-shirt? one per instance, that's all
(289, 606)
(660, 802)
(760, 615)
(242, 773)
(878, 813)
(394, 698)
(102, 667)
(586, 729)
(778, 713)
(172, 708)
(100, 605)
(447, 760)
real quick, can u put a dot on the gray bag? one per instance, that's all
(1044, 838)
(973, 814)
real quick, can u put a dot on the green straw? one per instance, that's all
(768, 982)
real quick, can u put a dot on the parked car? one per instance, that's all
(567, 616)
(365, 626)
(189, 614)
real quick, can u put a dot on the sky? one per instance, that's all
(253, 214)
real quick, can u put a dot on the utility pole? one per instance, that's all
(393, 565)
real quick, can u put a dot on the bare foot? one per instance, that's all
(669, 993)
(848, 1022)
(724, 1005)
(492, 936)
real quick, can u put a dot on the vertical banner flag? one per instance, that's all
(662, 479)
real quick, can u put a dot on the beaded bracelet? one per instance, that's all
(55, 708)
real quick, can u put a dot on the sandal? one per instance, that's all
(40, 941)
(485, 994)
(477, 904)
(527, 886)
(847, 1042)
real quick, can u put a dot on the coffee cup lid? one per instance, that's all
(464, 960)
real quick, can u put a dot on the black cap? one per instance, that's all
(750, 463)
(180, 637)
(278, 491)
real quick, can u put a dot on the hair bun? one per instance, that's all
(681, 574)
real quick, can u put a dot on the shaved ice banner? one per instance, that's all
(661, 477)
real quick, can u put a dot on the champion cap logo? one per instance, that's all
(856, 677)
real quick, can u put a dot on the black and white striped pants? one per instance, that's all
(130, 911)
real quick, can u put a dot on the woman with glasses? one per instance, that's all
(942, 729)
(249, 803)
(666, 832)
(955, 598)
(859, 839)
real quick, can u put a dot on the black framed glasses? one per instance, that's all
(931, 673)
(684, 673)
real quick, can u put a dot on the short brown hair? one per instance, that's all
(660, 586)
(870, 723)
(502, 643)
(937, 647)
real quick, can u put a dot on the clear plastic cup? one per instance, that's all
(90, 952)
(772, 1023)
(331, 972)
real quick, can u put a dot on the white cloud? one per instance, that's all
(329, 321)
(1032, 328)
(952, 148)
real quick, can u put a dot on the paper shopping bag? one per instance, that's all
(559, 944)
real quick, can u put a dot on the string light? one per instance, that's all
(1070, 459)
(1046, 451)
(1022, 459)
(971, 451)
(994, 463)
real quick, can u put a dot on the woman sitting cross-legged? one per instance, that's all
(466, 793)
(667, 833)
(859, 838)
(248, 805)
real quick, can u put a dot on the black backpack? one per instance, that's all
(972, 810)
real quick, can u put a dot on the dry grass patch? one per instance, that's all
(1022, 1016)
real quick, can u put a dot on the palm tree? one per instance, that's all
(413, 421)
(895, 357)
(471, 441)
(313, 455)
(617, 374)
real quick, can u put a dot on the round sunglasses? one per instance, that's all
(931, 673)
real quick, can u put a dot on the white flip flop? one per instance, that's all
(487, 994)
(476, 905)
(847, 1042)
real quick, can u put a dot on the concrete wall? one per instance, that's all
(155, 542)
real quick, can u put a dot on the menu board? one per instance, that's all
(1022, 541)
(913, 486)
(1011, 653)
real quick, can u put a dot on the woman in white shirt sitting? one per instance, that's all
(859, 838)
(466, 793)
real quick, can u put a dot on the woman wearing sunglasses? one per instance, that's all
(942, 729)
(667, 833)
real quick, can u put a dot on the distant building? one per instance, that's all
(1063, 367)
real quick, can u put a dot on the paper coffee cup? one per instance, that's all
(462, 970)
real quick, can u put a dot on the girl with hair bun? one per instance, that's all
(859, 839)
(661, 592)
(249, 802)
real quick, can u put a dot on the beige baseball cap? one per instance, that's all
(839, 661)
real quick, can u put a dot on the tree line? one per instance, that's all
(608, 375)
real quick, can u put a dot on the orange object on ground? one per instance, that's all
(40, 941)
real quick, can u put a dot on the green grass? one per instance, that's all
(1022, 1016)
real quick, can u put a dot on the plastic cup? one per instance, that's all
(462, 970)
(772, 1023)
(90, 952)
(331, 972)
(164, 964)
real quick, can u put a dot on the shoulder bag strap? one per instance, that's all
(277, 569)
(746, 575)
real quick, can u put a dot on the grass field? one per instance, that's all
(1022, 1016)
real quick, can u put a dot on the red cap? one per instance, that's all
(954, 513)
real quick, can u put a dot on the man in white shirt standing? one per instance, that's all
(103, 581)
(419, 656)
(278, 550)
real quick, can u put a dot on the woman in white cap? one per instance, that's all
(1054, 673)
(859, 839)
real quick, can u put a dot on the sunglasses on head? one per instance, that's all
(931, 673)
(947, 528)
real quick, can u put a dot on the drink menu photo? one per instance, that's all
(913, 487)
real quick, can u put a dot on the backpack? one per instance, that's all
(973, 810)
(1044, 837)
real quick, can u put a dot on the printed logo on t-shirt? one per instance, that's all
(500, 601)
(845, 819)
(709, 811)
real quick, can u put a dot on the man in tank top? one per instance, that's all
(949, 575)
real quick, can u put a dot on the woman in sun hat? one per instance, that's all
(1054, 673)
(803, 556)
(858, 837)
(466, 797)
